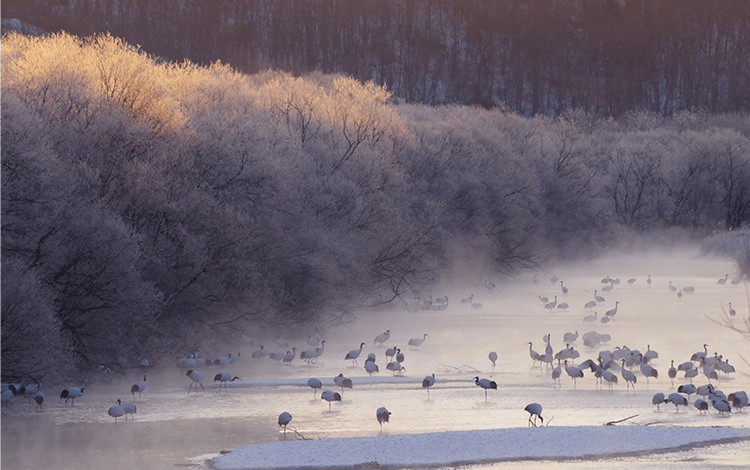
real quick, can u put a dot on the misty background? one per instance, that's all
(152, 206)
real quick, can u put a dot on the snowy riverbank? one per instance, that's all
(467, 447)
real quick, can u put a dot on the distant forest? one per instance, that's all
(603, 57)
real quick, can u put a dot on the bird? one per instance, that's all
(671, 287)
(486, 384)
(556, 372)
(533, 354)
(138, 387)
(342, 382)
(574, 372)
(31, 390)
(722, 406)
(493, 358)
(258, 354)
(648, 371)
(130, 409)
(310, 355)
(700, 354)
(570, 337)
(677, 400)
(554, 279)
(672, 372)
(658, 399)
(736, 281)
(390, 352)
(284, 419)
(690, 374)
(428, 382)
(687, 389)
(282, 342)
(395, 367)
(312, 340)
(117, 410)
(534, 410)
(709, 372)
(467, 300)
(289, 356)
(731, 310)
(551, 305)
(314, 384)
(590, 318)
(563, 306)
(648, 281)
(563, 288)
(598, 298)
(371, 367)
(417, 342)
(590, 304)
(629, 377)
(543, 299)
(701, 405)
(400, 357)
(382, 337)
(196, 378)
(71, 394)
(383, 416)
(723, 280)
(688, 289)
(354, 354)
(739, 399)
(330, 396)
(39, 399)
(613, 312)
(475, 305)
(223, 378)
(631, 281)
(650, 354)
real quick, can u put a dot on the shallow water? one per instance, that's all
(175, 428)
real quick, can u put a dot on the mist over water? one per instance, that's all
(174, 428)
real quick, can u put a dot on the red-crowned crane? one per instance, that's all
(330, 396)
(688, 389)
(629, 377)
(138, 387)
(428, 382)
(223, 378)
(71, 394)
(196, 378)
(574, 372)
(343, 382)
(658, 399)
(493, 358)
(672, 372)
(486, 384)
(417, 342)
(383, 416)
(677, 400)
(130, 409)
(382, 337)
(701, 405)
(284, 419)
(117, 410)
(314, 384)
(534, 410)
(354, 354)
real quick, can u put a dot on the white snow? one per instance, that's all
(467, 447)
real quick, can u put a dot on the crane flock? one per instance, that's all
(603, 367)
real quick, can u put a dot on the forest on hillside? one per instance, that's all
(603, 57)
(148, 206)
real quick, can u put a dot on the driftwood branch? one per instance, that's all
(620, 420)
